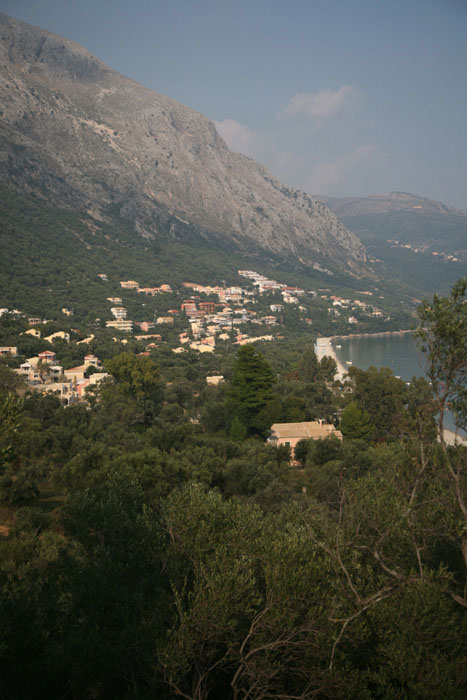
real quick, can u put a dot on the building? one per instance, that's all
(152, 291)
(215, 379)
(208, 307)
(121, 324)
(47, 356)
(289, 434)
(129, 284)
(91, 360)
(145, 326)
(10, 350)
(118, 311)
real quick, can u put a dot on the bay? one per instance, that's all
(398, 351)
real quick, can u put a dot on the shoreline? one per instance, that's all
(452, 438)
(324, 347)
(368, 335)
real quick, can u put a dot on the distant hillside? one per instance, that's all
(83, 137)
(51, 257)
(420, 241)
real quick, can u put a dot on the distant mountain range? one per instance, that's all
(419, 241)
(81, 136)
(407, 218)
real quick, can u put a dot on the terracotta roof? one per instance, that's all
(307, 430)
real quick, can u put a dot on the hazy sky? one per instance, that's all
(337, 97)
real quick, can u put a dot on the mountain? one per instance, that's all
(419, 241)
(410, 219)
(80, 136)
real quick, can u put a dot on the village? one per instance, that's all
(217, 312)
(205, 316)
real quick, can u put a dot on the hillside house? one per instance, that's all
(120, 324)
(10, 350)
(215, 379)
(118, 311)
(145, 326)
(47, 356)
(289, 434)
(91, 360)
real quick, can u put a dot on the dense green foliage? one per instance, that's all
(154, 545)
(55, 256)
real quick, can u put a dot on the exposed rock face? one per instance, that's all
(85, 136)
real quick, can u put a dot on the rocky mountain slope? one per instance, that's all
(83, 136)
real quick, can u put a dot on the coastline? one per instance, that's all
(369, 335)
(452, 438)
(324, 347)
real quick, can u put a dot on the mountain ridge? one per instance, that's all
(82, 135)
(417, 240)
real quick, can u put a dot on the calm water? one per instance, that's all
(398, 352)
(395, 351)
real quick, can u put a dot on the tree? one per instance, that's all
(443, 337)
(328, 368)
(251, 388)
(237, 430)
(355, 423)
(135, 376)
(136, 380)
(309, 367)
(383, 396)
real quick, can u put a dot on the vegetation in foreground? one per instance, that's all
(155, 546)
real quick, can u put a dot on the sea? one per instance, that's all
(398, 351)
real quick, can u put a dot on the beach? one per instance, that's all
(324, 347)
(452, 438)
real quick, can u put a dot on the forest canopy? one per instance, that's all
(154, 543)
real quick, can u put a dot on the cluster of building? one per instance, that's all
(210, 320)
(120, 321)
(264, 284)
(44, 374)
(436, 254)
(340, 305)
(132, 284)
(118, 311)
